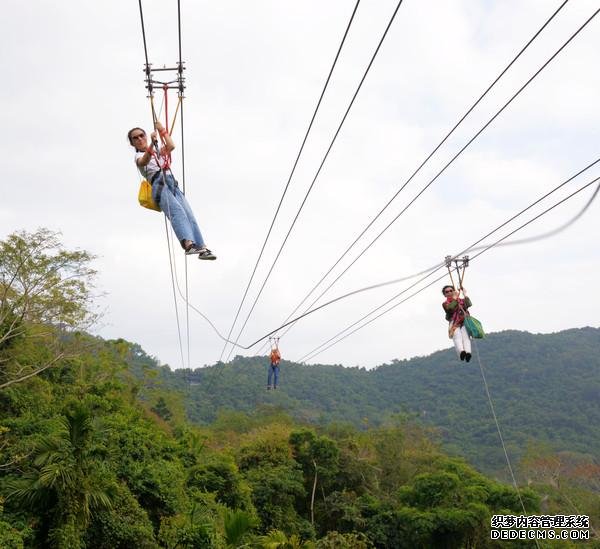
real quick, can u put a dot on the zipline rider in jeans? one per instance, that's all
(166, 192)
(274, 368)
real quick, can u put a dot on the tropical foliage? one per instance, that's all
(96, 452)
(543, 387)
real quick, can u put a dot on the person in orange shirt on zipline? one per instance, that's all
(275, 358)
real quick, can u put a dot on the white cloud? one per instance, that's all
(254, 72)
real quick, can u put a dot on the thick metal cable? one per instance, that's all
(461, 150)
(144, 35)
(316, 351)
(291, 175)
(439, 173)
(474, 247)
(312, 353)
(320, 167)
(171, 264)
(534, 75)
(464, 116)
(180, 104)
(429, 271)
(179, 28)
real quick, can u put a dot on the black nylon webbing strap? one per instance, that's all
(161, 183)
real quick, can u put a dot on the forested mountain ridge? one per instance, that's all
(544, 387)
(96, 451)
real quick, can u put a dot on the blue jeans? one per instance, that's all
(173, 203)
(273, 375)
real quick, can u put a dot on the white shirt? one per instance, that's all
(152, 167)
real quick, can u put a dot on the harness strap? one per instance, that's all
(167, 157)
(166, 92)
(158, 177)
(161, 184)
(175, 115)
(459, 309)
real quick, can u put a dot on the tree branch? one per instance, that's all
(34, 373)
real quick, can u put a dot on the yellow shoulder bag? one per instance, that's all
(145, 196)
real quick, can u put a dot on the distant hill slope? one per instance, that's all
(544, 388)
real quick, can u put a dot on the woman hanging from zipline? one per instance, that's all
(275, 359)
(165, 189)
(456, 310)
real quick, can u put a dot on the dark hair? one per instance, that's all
(447, 286)
(131, 131)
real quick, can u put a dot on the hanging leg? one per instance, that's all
(174, 210)
(466, 342)
(191, 219)
(458, 343)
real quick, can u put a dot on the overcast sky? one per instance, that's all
(73, 86)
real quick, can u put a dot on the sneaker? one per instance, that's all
(468, 357)
(193, 249)
(205, 253)
(268, 387)
(463, 355)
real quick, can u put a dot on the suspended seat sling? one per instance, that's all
(472, 325)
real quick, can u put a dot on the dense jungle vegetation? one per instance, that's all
(544, 388)
(103, 448)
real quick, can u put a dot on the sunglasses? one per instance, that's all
(138, 136)
(448, 291)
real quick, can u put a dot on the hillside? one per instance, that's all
(97, 450)
(545, 387)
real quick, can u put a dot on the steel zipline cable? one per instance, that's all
(180, 92)
(179, 29)
(144, 35)
(416, 171)
(364, 289)
(495, 244)
(291, 175)
(431, 181)
(428, 272)
(320, 167)
(181, 97)
(316, 351)
(435, 268)
(473, 247)
(171, 251)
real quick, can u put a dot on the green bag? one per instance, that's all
(474, 327)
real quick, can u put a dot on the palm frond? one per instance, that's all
(237, 524)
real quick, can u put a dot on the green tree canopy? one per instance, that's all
(45, 295)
